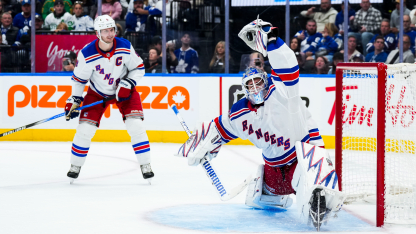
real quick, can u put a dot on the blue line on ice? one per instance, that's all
(240, 218)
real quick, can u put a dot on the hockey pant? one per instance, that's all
(271, 187)
(315, 170)
(132, 113)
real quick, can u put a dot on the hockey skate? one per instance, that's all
(317, 209)
(147, 172)
(73, 173)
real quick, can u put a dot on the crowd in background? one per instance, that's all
(370, 37)
(318, 47)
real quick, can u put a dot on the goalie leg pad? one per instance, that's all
(139, 140)
(315, 170)
(81, 143)
(255, 197)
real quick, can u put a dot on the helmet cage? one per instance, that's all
(255, 92)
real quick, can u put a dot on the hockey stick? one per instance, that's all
(54, 117)
(210, 171)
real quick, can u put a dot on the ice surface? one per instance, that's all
(110, 196)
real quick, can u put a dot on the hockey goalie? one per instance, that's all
(274, 118)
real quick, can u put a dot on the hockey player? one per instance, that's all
(112, 67)
(273, 117)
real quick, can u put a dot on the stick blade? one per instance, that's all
(236, 190)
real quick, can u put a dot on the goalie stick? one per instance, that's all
(53, 117)
(224, 194)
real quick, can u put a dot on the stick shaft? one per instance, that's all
(52, 118)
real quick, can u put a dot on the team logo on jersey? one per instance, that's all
(85, 114)
(268, 137)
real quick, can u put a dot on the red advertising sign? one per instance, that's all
(50, 49)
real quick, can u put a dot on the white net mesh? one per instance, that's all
(359, 133)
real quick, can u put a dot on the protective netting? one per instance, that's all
(359, 133)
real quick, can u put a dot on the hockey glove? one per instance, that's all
(71, 104)
(204, 142)
(255, 35)
(124, 89)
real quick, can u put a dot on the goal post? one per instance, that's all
(375, 137)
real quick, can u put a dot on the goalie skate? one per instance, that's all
(73, 173)
(317, 208)
(147, 172)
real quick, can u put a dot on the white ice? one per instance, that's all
(110, 196)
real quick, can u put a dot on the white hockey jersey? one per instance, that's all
(105, 69)
(52, 22)
(283, 119)
(83, 23)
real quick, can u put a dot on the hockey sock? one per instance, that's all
(139, 140)
(81, 143)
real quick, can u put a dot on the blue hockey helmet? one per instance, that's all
(255, 90)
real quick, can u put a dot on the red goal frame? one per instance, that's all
(381, 69)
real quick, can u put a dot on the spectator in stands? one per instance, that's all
(366, 22)
(49, 7)
(390, 40)
(82, 22)
(188, 61)
(62, 27)
(338, 58)
(111, 8)
(330, 42)
(10, 34)
(26, 37)
(378, 55)
(21, 20)
(309, 38)
(409, 31)
(408, 56)
(136, 21)
(11, 6)
(395, 17)
(339, 20)
(38, 22)
(89, 6)
(257, 60)
(321, 66)
(358, 58)
(217, 64)
(153, 64)
(58, 16)
(69, 60)
(352, 48)
(120, 30)
(171, 59)
(295, 44)
(326, 14)
(412, 15)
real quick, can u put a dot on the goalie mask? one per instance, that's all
(255, 35)
(104, 22)
(255, 85)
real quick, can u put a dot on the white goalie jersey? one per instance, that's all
(105, 69)
(282, 120)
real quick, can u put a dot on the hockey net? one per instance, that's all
(376, 136)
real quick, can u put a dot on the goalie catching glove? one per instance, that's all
(204, 142)
(257, 34)
(124, 88)
(71, 105)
